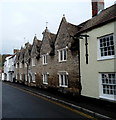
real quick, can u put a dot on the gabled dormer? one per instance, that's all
(22, 53)
(27, 55)
(35, 52)
(48, 42)
(64, 37)
(16, 63)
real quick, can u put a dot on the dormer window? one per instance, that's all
(33, 61)
(20, 65)
(45, 59)
(62, 55)
(16, 65)
(25, 64)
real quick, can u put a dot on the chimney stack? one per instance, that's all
(97, 5)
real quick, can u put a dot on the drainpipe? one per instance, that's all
(80, 86)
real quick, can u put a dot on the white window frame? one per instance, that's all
(16, 65)
(105, 89)
(26, 77)
(21, 77)
(25, 65)
(33, 61)
(20, 65)
(34, 77)
(61, 56)
(45, 59)
(45, 78)
(99, 48)
(16, 76)
(63, 79)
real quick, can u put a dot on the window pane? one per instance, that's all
(61, 55)
(61, 79)
(65, 54)
(66, 81)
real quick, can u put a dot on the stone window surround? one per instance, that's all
(61, 56)
(25, 65)
(20, 65)
(17, 65)
(44, 59)
(33, 60)
(21, 77)
(34, 77)
(45, 78)
(63, 78)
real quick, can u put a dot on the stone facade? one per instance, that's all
(52, 62)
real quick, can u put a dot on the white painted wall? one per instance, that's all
(9, 68)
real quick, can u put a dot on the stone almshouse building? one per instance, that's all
(52, 62)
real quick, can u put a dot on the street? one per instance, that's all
(18, 103)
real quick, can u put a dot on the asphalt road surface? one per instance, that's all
(17, 103)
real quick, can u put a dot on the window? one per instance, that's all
(25, 64)
(33, 61)
(106, 46)
(16, 76)
(62, 55)
(33, 77)
(44, 59)
(25, 77)
(108, 83)
(21, 77)
(63, 79)
(20, 65)
(45, 78)
(17, 65)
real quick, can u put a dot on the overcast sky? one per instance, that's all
(20, 20)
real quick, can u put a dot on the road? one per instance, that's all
(17, 103)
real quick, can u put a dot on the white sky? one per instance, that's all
(21, 19)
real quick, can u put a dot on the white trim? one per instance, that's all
(25, 65)
(20, 65)
(45, 59)
(61, 53)
(106, 58)
(99, 57)
(33, 61)
(34, 77)
(106, 95)
(62, 81)
(45, 78)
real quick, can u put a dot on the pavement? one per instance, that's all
(98, 109)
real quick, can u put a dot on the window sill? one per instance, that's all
(33, 81)
(107, 98)
(45, 64)
(33, 65)
(45, 83)
(106, 58)
(62, 61)
(63, 86)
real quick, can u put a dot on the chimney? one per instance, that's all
(97, 6)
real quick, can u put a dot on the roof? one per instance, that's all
(52, 40)
(36, 47)
(104, 17)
